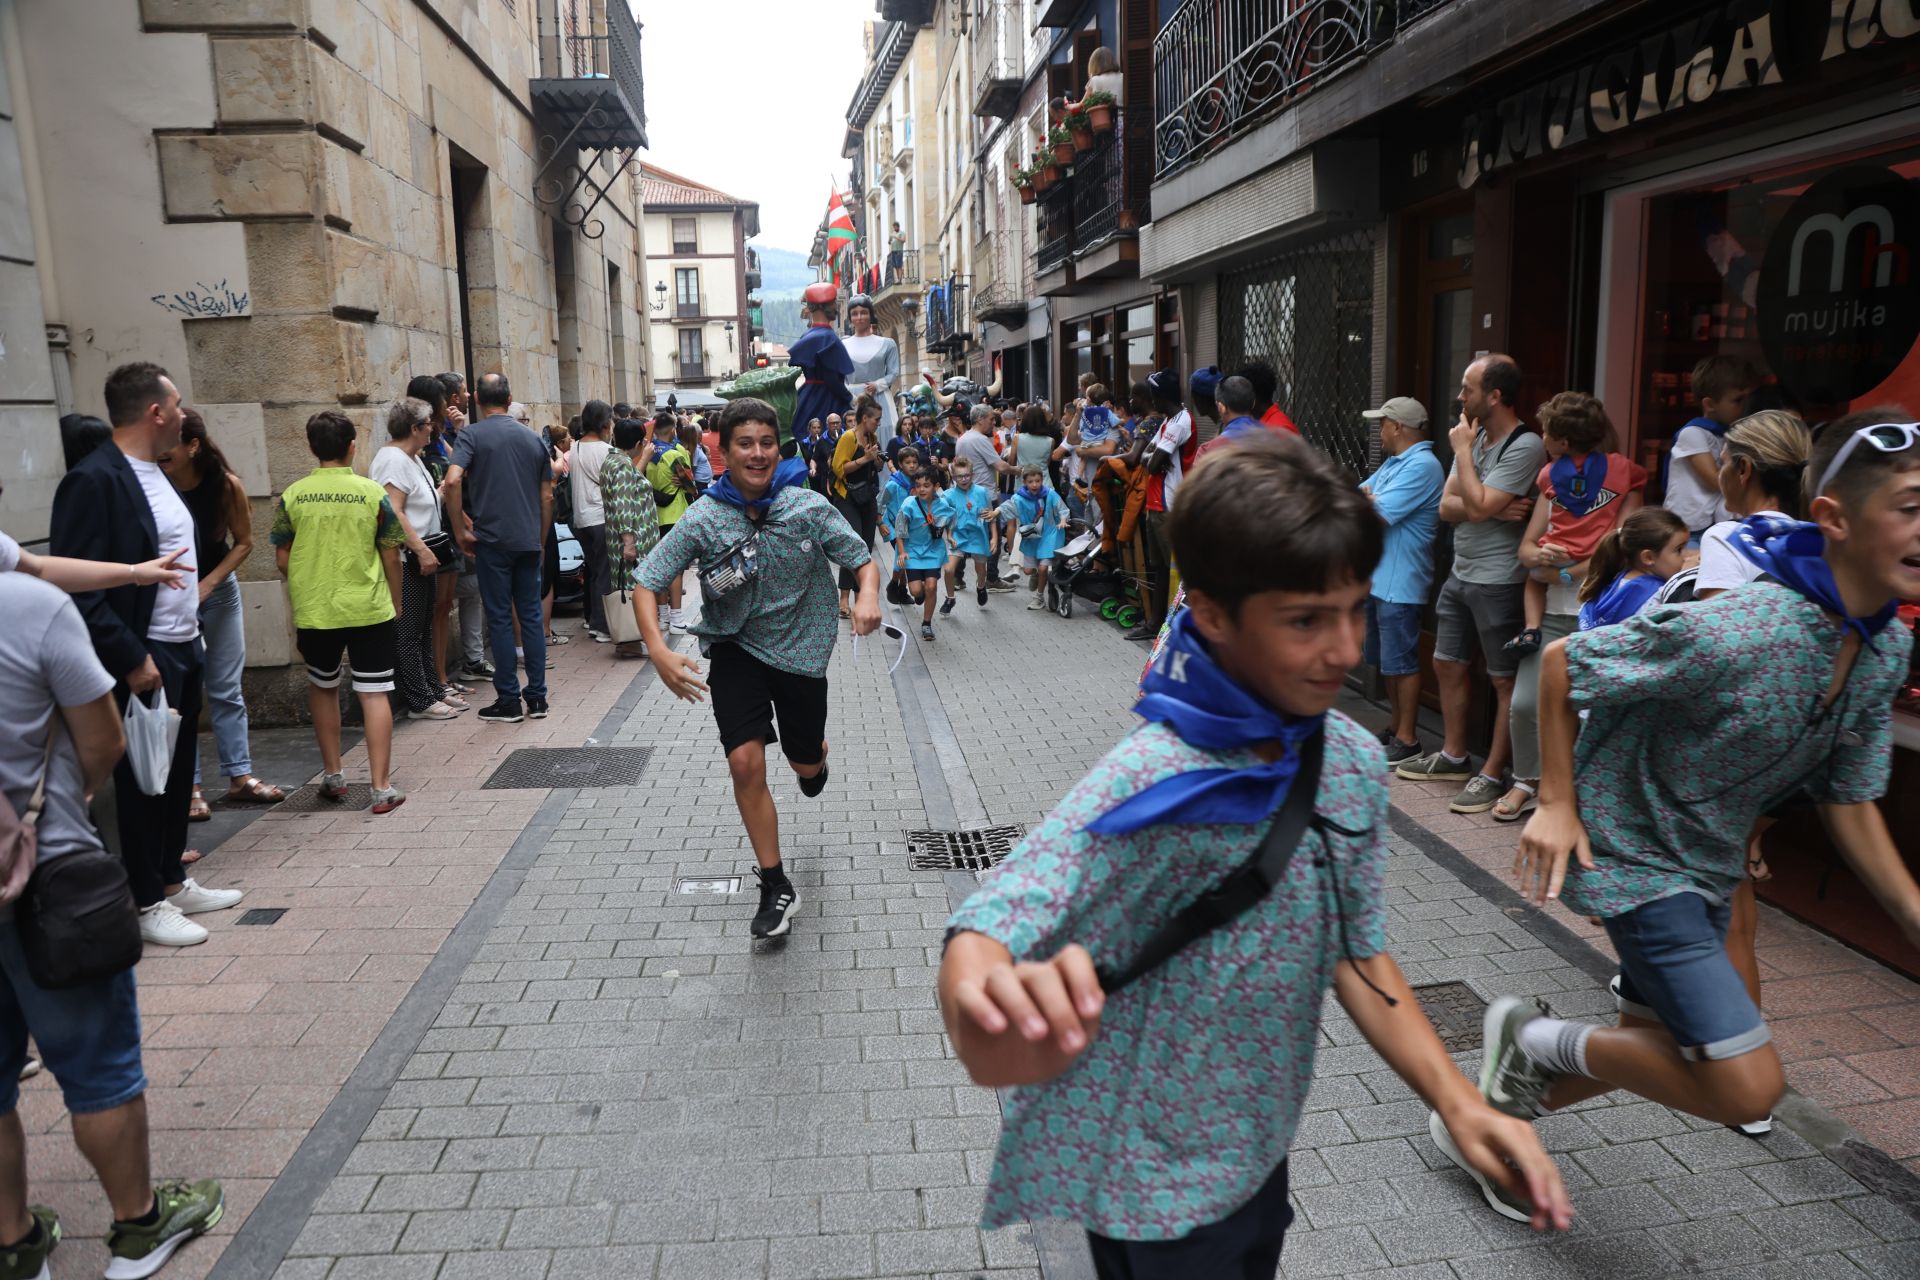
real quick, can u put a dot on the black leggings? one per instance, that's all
(414, 681)
(865, 525)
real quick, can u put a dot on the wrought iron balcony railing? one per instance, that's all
(1110, 185)
(589, 98)
(1221, 65)
(1054, 217)
(903, 272)
(997, 54)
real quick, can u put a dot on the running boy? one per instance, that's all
(768, 619)
(1149, 1115)
(897, 490)
(921, 543)
(1702, 716)
(965, 508)
(1041, 516)
(1587, 492)
(337, 543)
(1721, 385)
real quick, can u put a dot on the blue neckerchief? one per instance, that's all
(1793, 553)
(1576, 486)
(1186, 690)
(790, 472)
(1039, 505)
(1707, 424)
(902, 479)
(1241, 426)
(1624, 597)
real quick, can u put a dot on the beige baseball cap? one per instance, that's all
(1404, 410)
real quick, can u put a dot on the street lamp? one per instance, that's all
(729, 330)
(660, 295)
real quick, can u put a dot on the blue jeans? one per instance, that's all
(510, 587)
(89, 1035)
(223, 629)
(1674, 969)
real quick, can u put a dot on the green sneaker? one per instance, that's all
(187, 1209)
(29, 1261)
(1510, 1081)
(1497, 1197)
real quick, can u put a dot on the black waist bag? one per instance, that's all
(1240, 891)
(77, 921)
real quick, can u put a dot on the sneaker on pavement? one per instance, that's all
(1498, 1198)
(1479, 795)
(677, 619)
(1398, 752)
(192, 899)
(926, 631)
(1038, 602)
(777, 902)
(187, 1209)
(980, 597)
(536, 707)
(1000, 586)
(333, 786)
(1511, 1081)
(32, 1068)
(479, 671)
(1436, 767)
(437, 711)
(599, 637)
(503, 711)
(1143, 633)
(164, 926)
(947, 607)
(386, 800)
(1757, 1129)
(26, 1261)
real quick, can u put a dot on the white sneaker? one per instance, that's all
(1038, 601)
(164, 926)
(192, 899)
(677, 619)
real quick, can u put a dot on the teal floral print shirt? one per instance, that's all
(1703, 716)
(1188, 1097)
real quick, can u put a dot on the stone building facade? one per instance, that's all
(297, 204)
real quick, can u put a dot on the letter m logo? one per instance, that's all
(1879, 256)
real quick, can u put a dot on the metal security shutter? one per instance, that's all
(1309, 313)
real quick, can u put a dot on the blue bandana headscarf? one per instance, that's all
(791, 472)
(1576, 486)
(1707, 424)
(1792, 553)
(1188, 691)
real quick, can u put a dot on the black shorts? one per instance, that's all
(749, 696)
(370, 651)
(922, 575)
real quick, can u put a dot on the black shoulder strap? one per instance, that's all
(1245, 887)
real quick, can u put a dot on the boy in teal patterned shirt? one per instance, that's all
(1701, 717)
(1160, 1119)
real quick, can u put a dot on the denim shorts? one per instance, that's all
(89, 1036)
(1674, 970)
(1393, 637)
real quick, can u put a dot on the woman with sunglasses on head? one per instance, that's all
(1701, 718)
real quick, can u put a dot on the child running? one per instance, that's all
(1587, 492)
(1701, 716)
(1041, 516)
(965, 508)
(920, 539)
(1630, 566)
(1158, 1114)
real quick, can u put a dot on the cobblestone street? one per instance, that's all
(495, 1036)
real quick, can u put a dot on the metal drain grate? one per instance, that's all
(261, 915)
(569, 767)
(308, 799)
(962, 850)
(1455, 1012)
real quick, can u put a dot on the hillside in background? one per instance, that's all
(783, 269)
(780, 311)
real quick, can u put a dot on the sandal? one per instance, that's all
(845, 616)
(190, 857)
(1527, 641)
(1505, 810)
(250, 790)
(197, 808)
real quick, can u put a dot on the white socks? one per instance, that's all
(1556, 1045)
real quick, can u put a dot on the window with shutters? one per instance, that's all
(686, 235)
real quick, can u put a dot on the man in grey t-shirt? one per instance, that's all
(976, 446)
(1488, 497)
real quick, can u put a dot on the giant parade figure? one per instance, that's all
(822, 360)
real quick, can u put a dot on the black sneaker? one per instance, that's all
(778, 899)
(503, 711)
(536, 707)
(480, 670)
(1000, 586)
(1398, 752)
(981, 597)
(926, 631)
(947, 607)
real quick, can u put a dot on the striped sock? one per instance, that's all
(1557, 1045)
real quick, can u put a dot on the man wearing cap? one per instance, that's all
(1406, 492)
(822, 359)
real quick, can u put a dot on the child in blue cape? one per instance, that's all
(920, 538)
(966, 508)
(1630, 566)
(897, 489)
(1041, 516)
(1157, 1114)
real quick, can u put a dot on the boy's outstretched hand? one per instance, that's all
(1017, 1023)
(1509, 1151)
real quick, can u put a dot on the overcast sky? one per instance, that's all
(750, 96)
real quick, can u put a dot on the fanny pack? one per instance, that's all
(735, 568)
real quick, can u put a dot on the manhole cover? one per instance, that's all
(1455, 1012)
(261, 915)
(308, 800)
(569, 767)
(716, 888)
(962, 850)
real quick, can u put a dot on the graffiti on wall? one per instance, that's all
(205, 301)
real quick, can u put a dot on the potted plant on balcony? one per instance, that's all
(1044, 171)
(1061, 140)
(1023, 183)
(1099, 106)
(1080, 129)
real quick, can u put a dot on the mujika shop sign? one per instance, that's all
(1735, 46)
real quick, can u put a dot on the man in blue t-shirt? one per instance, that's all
(1406, 494)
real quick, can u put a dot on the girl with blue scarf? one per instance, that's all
(1630, 566)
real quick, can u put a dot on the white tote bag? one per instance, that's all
(621, 624)
(152, 732)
